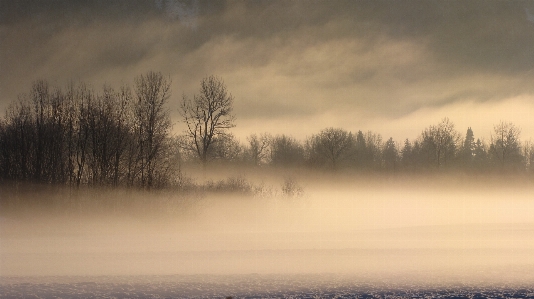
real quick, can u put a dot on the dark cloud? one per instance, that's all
(488, 34)
(279, 58)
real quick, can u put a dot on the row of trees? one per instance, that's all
(122, 137)
(439, 147)
(208, 117)
(76, 136)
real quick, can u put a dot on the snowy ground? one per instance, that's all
(251, 286)
(376, 242)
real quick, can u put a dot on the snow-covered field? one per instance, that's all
(336, 241)
(251, 286)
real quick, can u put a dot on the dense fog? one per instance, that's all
(443, 226)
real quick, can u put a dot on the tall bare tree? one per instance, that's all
(152, 123)
(40, 97)
(84, 99)
(207, 116)
(505, 147)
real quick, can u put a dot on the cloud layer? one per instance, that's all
(295, 67)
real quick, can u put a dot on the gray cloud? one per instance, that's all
(382, 59)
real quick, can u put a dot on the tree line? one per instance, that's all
(122, 137)
(76, 136)
(438, 148)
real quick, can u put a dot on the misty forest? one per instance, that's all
(122, 136)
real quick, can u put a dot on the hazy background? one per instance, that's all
(295, 67)
(433, 230)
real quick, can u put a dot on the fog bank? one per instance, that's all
(377, 229)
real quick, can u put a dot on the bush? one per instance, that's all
(231, 184)
(291, 188)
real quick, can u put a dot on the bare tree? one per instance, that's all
(505, 147)
(373, 147)
(439, 143)
(108, 130)
(207, 116)
(84, 98)
(286, 151)
(40, 97)
(152, 123)
(332, 144)
(225, 148)
(258, 146)
(79, 137)
(18, 141)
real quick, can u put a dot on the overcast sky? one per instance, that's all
(294, 67)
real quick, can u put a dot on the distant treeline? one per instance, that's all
(438, 148)
(122, 137)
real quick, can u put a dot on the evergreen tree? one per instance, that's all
(467, 151)
(406, 155)
(390, 155)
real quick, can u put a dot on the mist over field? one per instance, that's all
(279, 149)
(439, 229)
